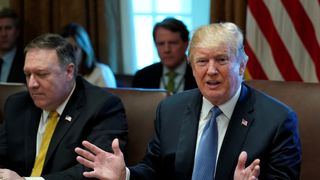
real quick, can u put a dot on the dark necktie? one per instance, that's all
(205, 160)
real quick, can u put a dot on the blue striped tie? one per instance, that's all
(205, 160)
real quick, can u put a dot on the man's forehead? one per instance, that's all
(7, 20)
(37, 51)
(220, 50)
(41, 55)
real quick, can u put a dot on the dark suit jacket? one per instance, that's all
(16, 73)
(150, 77)
(270, 135)
(97, 116)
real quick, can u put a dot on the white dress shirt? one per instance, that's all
(178, 80)
(6, 64)
(222, 120)
(42, 126)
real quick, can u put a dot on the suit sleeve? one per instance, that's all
(137, 81)
(285, 155)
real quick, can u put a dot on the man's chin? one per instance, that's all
(171, 65)
(5, 48)
(215, 97)
(40, 104)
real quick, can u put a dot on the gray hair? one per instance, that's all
(64, 49)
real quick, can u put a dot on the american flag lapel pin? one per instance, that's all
(244, 122)
(68, 118)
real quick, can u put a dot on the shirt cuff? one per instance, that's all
(34, 178)
(127, 174)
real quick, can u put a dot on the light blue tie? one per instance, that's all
(205, 160)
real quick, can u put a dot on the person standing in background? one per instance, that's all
(173, 73)
(89, 68)
(11, 54)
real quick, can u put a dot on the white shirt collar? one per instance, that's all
(9, 56)
(180, 70)
(60, 108)
(227, 108)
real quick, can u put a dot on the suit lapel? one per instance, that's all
(16, 72)
(66, 120)
(33, 115)
(188, 137)
(190, 82)
(235, 136)
(157, 75)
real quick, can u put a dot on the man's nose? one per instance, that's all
(167, 47)
(32, 82)
(212, 67)
(3, 32)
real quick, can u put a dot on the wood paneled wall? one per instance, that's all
(99, 17)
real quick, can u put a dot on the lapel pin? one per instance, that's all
(68, 118)
(244, 122)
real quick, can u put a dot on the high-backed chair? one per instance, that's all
(6, 89)
(304, 98)
(140, 106)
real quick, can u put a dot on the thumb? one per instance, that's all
(242, 160)
(115, 147)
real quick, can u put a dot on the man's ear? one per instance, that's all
(70, 71)
(242, 67)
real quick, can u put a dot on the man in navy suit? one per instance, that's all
(11, 54)
(257, 134)
(171, 37)
(85, 112)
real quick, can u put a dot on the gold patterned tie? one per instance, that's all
(52, 123)
(170, 85)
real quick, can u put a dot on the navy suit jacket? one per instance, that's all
(150, 77)
(16, 73)
(270, 135)
(96, 115)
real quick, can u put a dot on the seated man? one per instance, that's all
(173, 73)
(43, 126)
(201, 134)
(11, 54)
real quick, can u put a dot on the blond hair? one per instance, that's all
(217, 34)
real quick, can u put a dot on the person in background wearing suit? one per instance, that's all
(93, 71)
(173, 73)
(257, 136)
(11, 54)
(43, 126)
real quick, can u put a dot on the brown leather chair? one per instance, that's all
(6, 89)
(140, 106)
(304, 98)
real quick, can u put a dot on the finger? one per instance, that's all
(91, 147)
(253, 178)
(85, 154)
(256, 171)
(85, 162)
(255, 163)
(242, 160)
(115, 147)
(90, 174)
